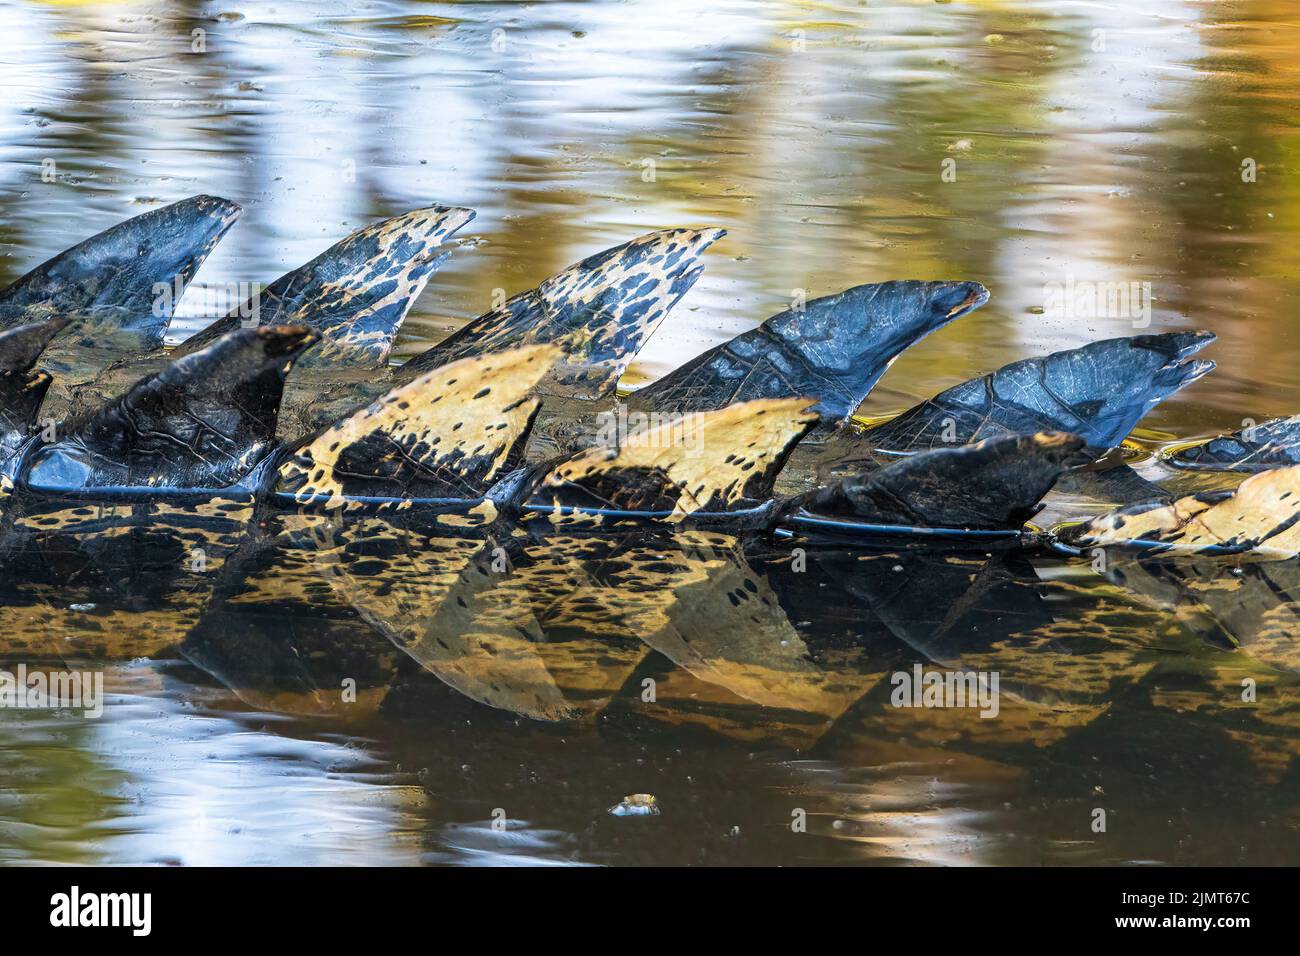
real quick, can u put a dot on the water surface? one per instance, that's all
(1094, 142)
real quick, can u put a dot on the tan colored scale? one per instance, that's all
(728, 628)
(1259, 518)
(708, 457)
(721, 623)
(456, 413)
(436, 599)
(590, 631)
(1254, 604)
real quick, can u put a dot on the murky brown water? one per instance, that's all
(1089, 142)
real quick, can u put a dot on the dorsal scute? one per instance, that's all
(357, 292)
(993, 484)
(129, 277)
(202, 422)
(449, 433)
(601, 311)
(724, 460)
(1260, 517)
(1098, 392)
(1256, 447)
(833, 348)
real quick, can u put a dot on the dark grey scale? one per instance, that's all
(292, 658)
(1271, 444)
(1116, 483)
(21, 389)
(996, 484)
(1230, 605)
(119, 288)
(203, 422)
(834, 349)
(951, 610)
(942, 605)
(1098, 392)
(118, 272)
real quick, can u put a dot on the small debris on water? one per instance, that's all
(636, 805)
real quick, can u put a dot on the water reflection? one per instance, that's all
(1096, 141)
(167, 778)
(470, 670)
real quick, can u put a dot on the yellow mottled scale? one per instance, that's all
(482, 514)
(588, 634)
(604, 600)
(1254, 604)
(743, 670)
(487, 643)
(1258, 518)
(726, 626)
(436, 597)
(648, 269)
(425, 228)
(458, 423)
(701, 459)
(295, 576)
